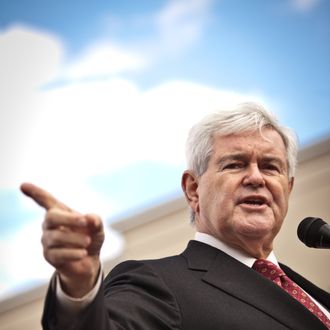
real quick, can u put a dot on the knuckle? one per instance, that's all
(52, 238)
(43, 240)
(44, 224)
(46, 239)
(97, 221)
(48, 257)
(53, 258)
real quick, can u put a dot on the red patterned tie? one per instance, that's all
(276, 274)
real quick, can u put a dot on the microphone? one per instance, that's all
(314, 232)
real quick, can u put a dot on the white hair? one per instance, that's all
(245, 117)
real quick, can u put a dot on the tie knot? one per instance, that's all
(267, 269)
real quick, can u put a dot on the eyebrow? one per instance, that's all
(234, 156)
(244, 156)
(273, 159)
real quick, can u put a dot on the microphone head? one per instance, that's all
(310, 232)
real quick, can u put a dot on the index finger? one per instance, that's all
(42, 197)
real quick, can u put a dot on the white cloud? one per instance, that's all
(28, 57)
(63, 135)
(86, 128)
(304, 5)
(173, 108)
(181, 23)
(173, 29)
(60, 136)
(178, 25)
(102, 60)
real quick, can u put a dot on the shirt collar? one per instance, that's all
(234, 253)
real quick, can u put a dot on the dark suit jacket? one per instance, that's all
(203, 288)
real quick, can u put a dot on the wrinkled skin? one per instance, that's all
(242, 197)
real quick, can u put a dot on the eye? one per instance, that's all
(271, 167)
(233, 165)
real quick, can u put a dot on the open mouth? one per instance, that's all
(254, 201)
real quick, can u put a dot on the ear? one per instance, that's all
(291, 182)
(189, 184)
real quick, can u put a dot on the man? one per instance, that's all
(240, 174)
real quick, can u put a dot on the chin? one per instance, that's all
(255, 230)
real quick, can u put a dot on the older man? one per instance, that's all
(240, 174)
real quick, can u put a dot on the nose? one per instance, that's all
(253, 177)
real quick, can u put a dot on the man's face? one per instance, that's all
(242, 198)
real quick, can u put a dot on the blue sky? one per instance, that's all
(279, 49)
(97, 93)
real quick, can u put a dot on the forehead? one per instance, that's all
(268, 142)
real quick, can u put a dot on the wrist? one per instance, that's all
(78, 286)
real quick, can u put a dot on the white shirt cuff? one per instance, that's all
(75, 305)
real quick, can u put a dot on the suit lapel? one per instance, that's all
(236, 279)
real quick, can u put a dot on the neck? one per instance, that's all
(256, 247)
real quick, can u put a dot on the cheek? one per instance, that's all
(220, 204)
(208, 199)
(281, 198)
(216, 198)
